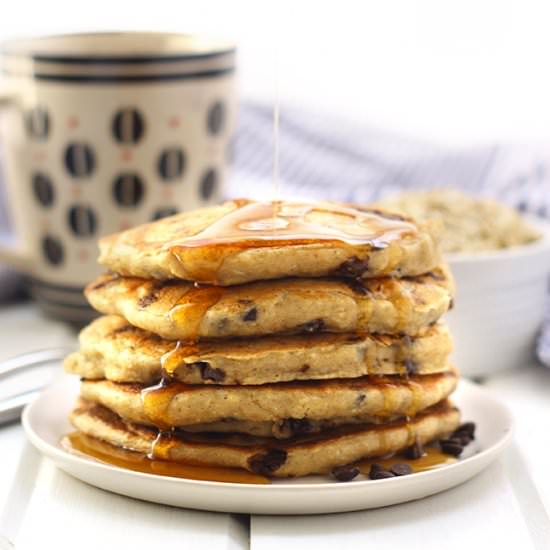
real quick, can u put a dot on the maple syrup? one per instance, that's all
(432, 458)
(77, 442)
(191, 308)
(281, 223)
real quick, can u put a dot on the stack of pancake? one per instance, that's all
(283, 338)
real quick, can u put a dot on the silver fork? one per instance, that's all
(11, 407)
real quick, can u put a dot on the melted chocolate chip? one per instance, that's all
(152, 295)
(297, 426)
(210, 373)
(267, 463)
(304, 368)
(251, 315)
(345, 473)
(451, 304)
(147, 300)
(360, 398)
(357, 286)
(352, 268)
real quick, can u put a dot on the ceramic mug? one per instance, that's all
(101, 132)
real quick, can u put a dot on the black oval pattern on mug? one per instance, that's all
(82, 221)
(128, 126)
(209, 183)
(79, 160)
(165, 212)
(216, 118)
(171, 164)
(43, 189)
(128, 190)
(52, 250)
(38, 123)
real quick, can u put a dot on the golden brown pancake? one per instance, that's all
(180, 310)
(299, 456)
(242, 241)
(112, 348)
(181, 405)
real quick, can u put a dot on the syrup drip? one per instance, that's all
(191, 308)
(77, 442)
(156, 402)
(433, 458)
(280, 223)
(173, 359)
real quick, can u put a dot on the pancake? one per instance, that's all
(179, 404)
(297, 457)
(180, 310)
(242, 241)
(112, 348)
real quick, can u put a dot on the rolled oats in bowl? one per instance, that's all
(470, 224)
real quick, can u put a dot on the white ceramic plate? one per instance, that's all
(45, 422)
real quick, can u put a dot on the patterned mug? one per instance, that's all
(101, 132)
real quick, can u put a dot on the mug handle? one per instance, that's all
(12, 252)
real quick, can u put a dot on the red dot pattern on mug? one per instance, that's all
(128, 128)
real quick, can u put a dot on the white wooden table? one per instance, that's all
(507, 506)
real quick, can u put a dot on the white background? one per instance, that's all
(456, 72)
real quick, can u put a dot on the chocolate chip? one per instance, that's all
(267, 463)
(297, 426)
(357, 286)
(304, 368)
(210, 373)
(411, 367)
(354, 267)
(463, 439)
(360, 398)
(401, 469)
(451, 304)
(251, 315)
(313, 326)
(345, 473)
(467, 428)
(451, 447)
(377, 472)
(147, 300)
(415, 451)
(375, 468)
(152, 295)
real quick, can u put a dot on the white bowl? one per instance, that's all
(500, 304)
